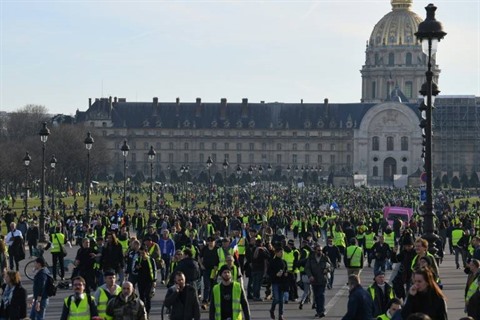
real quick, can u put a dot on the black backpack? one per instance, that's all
(50, 287)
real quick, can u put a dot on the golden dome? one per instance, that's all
(398, 27)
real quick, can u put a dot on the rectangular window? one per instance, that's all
(264, 158)
(332, 159)
(251, 158)
(307, 159)
(251, 146)
(279, 159)
(239, 146)
(294, 159)
(408, 89)
(319, 159)
(227, 157)
(239, 158)
(185, 146)
(201, 158)
(202, 146)
(214, 146)
(264, 146)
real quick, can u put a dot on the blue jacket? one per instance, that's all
(360, 305)
(167, 246)
(39, 284)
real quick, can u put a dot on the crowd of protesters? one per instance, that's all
(286, 242)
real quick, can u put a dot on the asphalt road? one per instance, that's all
(336, 299)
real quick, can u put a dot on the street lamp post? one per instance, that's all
(88, 145)
(209, 165)
(151, 158)
(53, 163)
(269, 169)
(225, 168)
(125, 148)
(44, 133)
(26, 161)
(430, 32)
(239, 174)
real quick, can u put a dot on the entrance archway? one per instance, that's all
(389, 169)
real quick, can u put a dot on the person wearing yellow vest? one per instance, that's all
(471, 287)
(147, 271)
(339, 239)
(421, 247)
(228, 299)
(106, 292)
(457, 234)
(236, 271)
(370, 239)
(353, 258)
(291, 255)
(241, 243)
(223, 252)
(57, 241)
(80, 305)
(393, 306)
(381, 293)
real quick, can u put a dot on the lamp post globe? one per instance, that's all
(151, 158)
(44, 133)
(26, 162)
(88, 145)
(53, 164)
(125, 149)
(429, 33)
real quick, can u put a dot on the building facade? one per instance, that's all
(378, 138)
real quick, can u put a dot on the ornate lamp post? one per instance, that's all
(430, 32)
(26, 161)
(44, 133)
(125, 148)
(239, 174)
(53, 163)
(151, 158)
(225, 168)
(88, 145)
(209, 165)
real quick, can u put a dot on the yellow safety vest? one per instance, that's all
(389, 239)
(150, 267)
(80, 312)
(355, 255)
(103, 301)
(57, 241)
(236, 306)
(221, 256)
(371, 290)
(369, 240)
(124, 244)
(339, 239)
(414, 260)
(383, 317)
(241, 246)
(307, 253)
(456, 235)
(289, 258)
(471, 289)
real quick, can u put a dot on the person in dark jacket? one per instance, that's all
(278, 274)
(333, 253)
(14, 300)
(317, 269)
(33, 234)
(112, 255)
(360, 304)
(425, 296)
(182, 300)
(381, 293)
(40, 297)
(189, 267)
(126, 305)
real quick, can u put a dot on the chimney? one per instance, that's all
(262, 102)
(155, 101)
(325, 101)
(244, 108)
(223, 108)
(177, 100)
(244, 101)
(115, 99)
(89, 102)
(301, 101)
(110, 99)
(198, 100)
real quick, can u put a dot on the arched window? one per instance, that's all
(389, 143)
(391, 59)
(375, 171)
(404, 170)
(408, 59)
(404, 143)
(375, 144)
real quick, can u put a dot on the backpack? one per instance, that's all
(50, 287)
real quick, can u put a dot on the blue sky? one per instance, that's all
(60, 53)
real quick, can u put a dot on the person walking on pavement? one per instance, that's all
(57, 241)
(471, 288)
(360, 304)
(14, 241)
(333, 253)
(382, 252)
(126, 305)
(106, 292)
(146, 271)
(79, 305)
(40, 297)
(353, 258)
(318, 268)
(381, 293)
(182, 300)
(278, 274)
(228, 299)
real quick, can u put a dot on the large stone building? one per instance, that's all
(376, 139)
